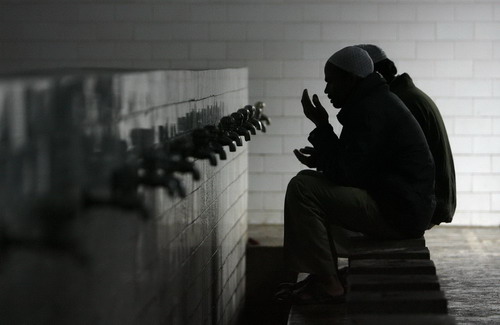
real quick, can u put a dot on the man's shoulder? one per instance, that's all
(384, 101)
(403, 85)
(413, 97)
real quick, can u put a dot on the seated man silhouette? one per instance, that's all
(429, 118)
(377, 178)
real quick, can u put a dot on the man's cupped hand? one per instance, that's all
(307, 156)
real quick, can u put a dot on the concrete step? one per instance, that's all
(393, 282)
(390, 253)
(358, 240)
(397, 302)
(406, 319)
(396, 266)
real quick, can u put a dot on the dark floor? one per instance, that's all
(468, 266)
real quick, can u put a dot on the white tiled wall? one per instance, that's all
(450, 47)
(175, 260)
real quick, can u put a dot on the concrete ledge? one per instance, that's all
(373, 266)
(397, 302)
(380, 283)
(406, 319)
(390, 253)
(358, 240)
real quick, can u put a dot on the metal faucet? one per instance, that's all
(239, 128)
(228, 126)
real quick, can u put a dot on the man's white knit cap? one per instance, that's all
(354, 60)
(375, 52)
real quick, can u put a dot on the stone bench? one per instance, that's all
(388, 282)
(392, 266)
(393, 282)
(420, 253)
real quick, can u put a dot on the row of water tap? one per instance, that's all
(155, 165)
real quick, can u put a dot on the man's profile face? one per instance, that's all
(339, 85)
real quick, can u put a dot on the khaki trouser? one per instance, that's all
(317, 215)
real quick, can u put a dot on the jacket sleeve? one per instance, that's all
(353, 159)
(326, 143)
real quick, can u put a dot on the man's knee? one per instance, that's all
(294, 185)
(297, 185)
(301, 183)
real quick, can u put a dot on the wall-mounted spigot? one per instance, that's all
(228, 126)
(251, 117)
(219, 136)
(157, 168)
(147, 164)
(214, 144)
(246, 124)
(238, 120)
(255, 118)
(260, 113)
(202, 148)
(217, 147)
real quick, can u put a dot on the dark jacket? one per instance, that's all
(427, 115)
(381, 149)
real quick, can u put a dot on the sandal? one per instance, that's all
(286, 289)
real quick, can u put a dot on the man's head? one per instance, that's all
(382, 64)
(343, 70)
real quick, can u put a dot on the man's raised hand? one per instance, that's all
(314, 110)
